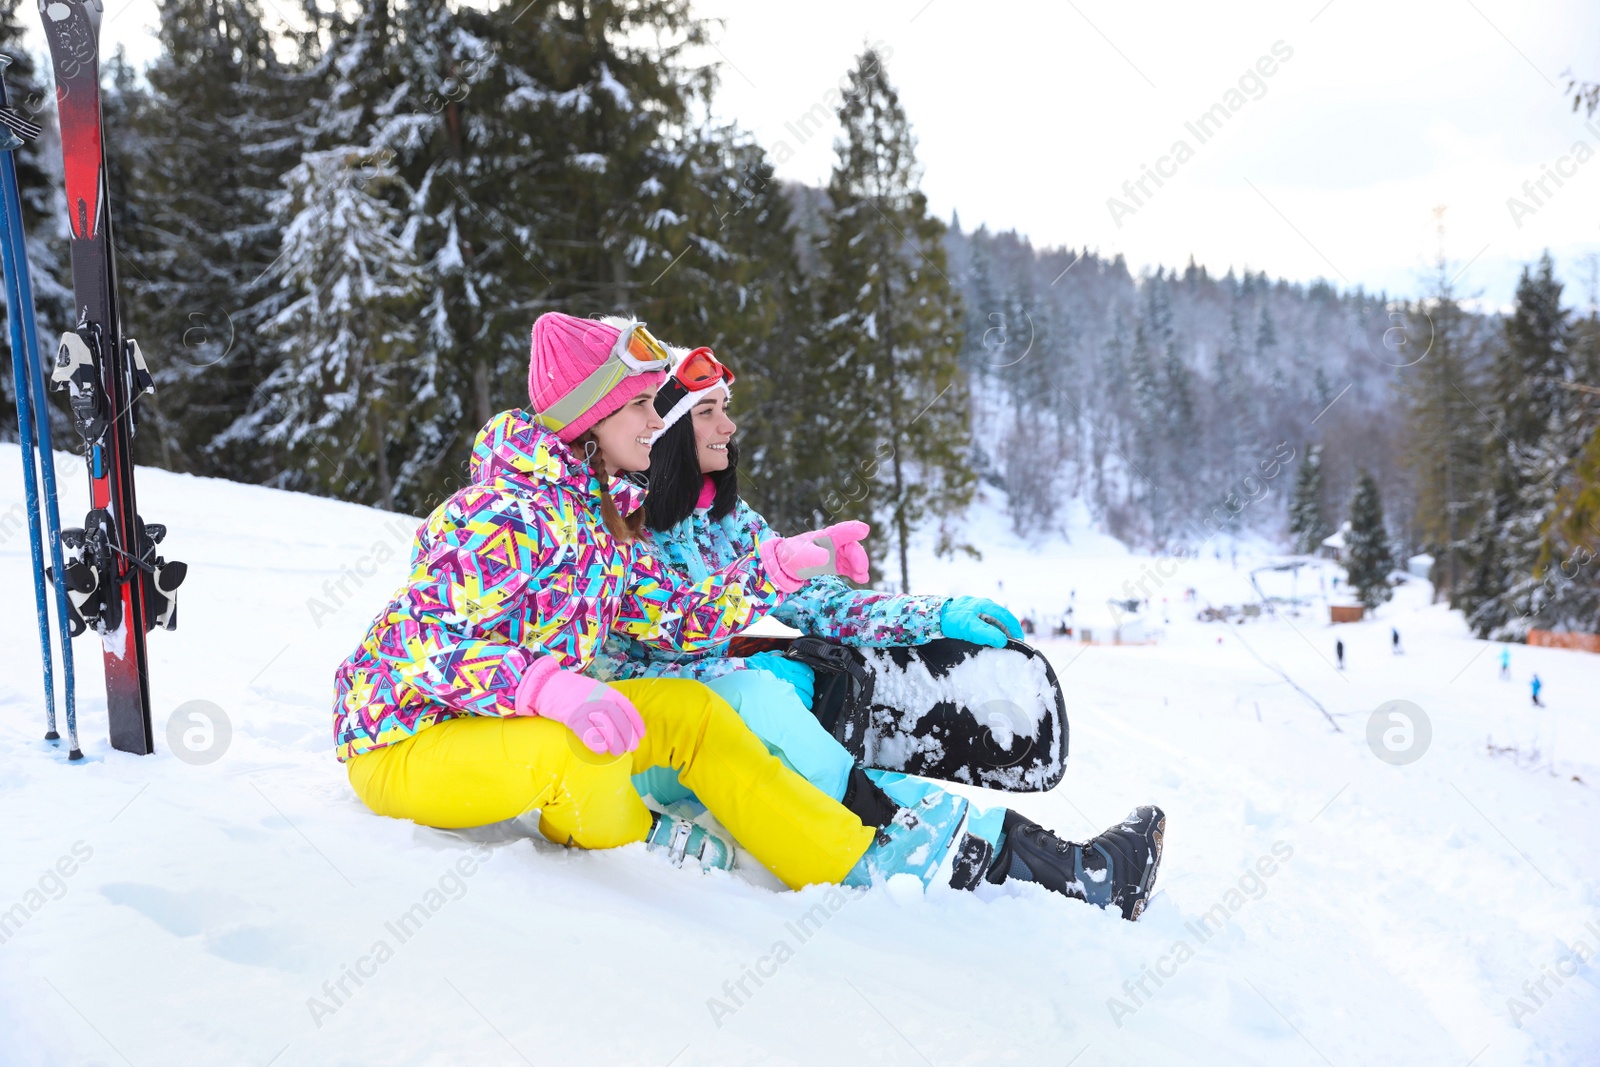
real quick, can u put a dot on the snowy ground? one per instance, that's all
(1368, 912)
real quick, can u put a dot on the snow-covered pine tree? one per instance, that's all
(1569, 559)
(1529, 449)
(1021, 366)
(412, 95)
(754, 306)
(618, 195)
(1039, 463)
(734, 280)
(429, 83)
(1307, 527)
(982, 308)
(575, 178)
(1567, 570)
(346, 339)
(1266, 329)
(1479, 596)
(891, 325)
(1144, 430)
(1444, 441)
(196, 151)
(1165, 429)
(1232, 411)
(1183, 457)
(1369, 557)
(1112, 383)
(1063, 371)
(620, 99)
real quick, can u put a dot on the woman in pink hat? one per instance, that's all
(465, 703)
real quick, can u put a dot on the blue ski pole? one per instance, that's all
(33, 417)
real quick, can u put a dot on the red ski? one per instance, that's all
(120, 587)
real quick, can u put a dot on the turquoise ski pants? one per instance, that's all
(774, 712)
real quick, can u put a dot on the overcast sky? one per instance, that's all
(1032, 115)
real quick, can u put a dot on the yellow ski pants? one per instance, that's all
(477, 770)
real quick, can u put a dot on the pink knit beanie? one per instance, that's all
(566, 350)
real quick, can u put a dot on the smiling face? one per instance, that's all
(624, 436)
(713, 429)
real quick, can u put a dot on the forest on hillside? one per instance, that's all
(333, 241)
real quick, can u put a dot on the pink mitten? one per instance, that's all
(834, 549)
(601, 717)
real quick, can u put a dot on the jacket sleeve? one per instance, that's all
(828, 607)
(461, 634)
(472, 676)
(663, 610)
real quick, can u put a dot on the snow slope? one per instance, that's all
(1359, 912)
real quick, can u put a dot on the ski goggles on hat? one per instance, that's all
(700, 370)
(695, 375)
(636, 351)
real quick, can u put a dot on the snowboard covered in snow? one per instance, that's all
(951, 710)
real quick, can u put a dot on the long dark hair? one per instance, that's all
(675, 478)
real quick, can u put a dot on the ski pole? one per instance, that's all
(34, 417)
(52, 507)
(24, 394)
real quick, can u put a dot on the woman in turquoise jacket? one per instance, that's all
(696, 524)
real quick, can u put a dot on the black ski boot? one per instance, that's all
(1115, 869)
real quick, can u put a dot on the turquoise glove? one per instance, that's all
(797, 674)
(981, 621)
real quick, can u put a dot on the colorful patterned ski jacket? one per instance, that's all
(824, 607)
(518, 565)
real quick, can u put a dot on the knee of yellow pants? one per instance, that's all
(595, 806)
(798, 832)
(477, 770)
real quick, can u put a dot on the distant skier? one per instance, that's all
(1338, 650)
(1537, 685)
(1394, 641)
(1505, 662)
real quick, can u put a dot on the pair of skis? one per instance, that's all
(107, 575)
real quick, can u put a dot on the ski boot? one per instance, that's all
(683, 839)
(1115, 869)
(915, 841)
